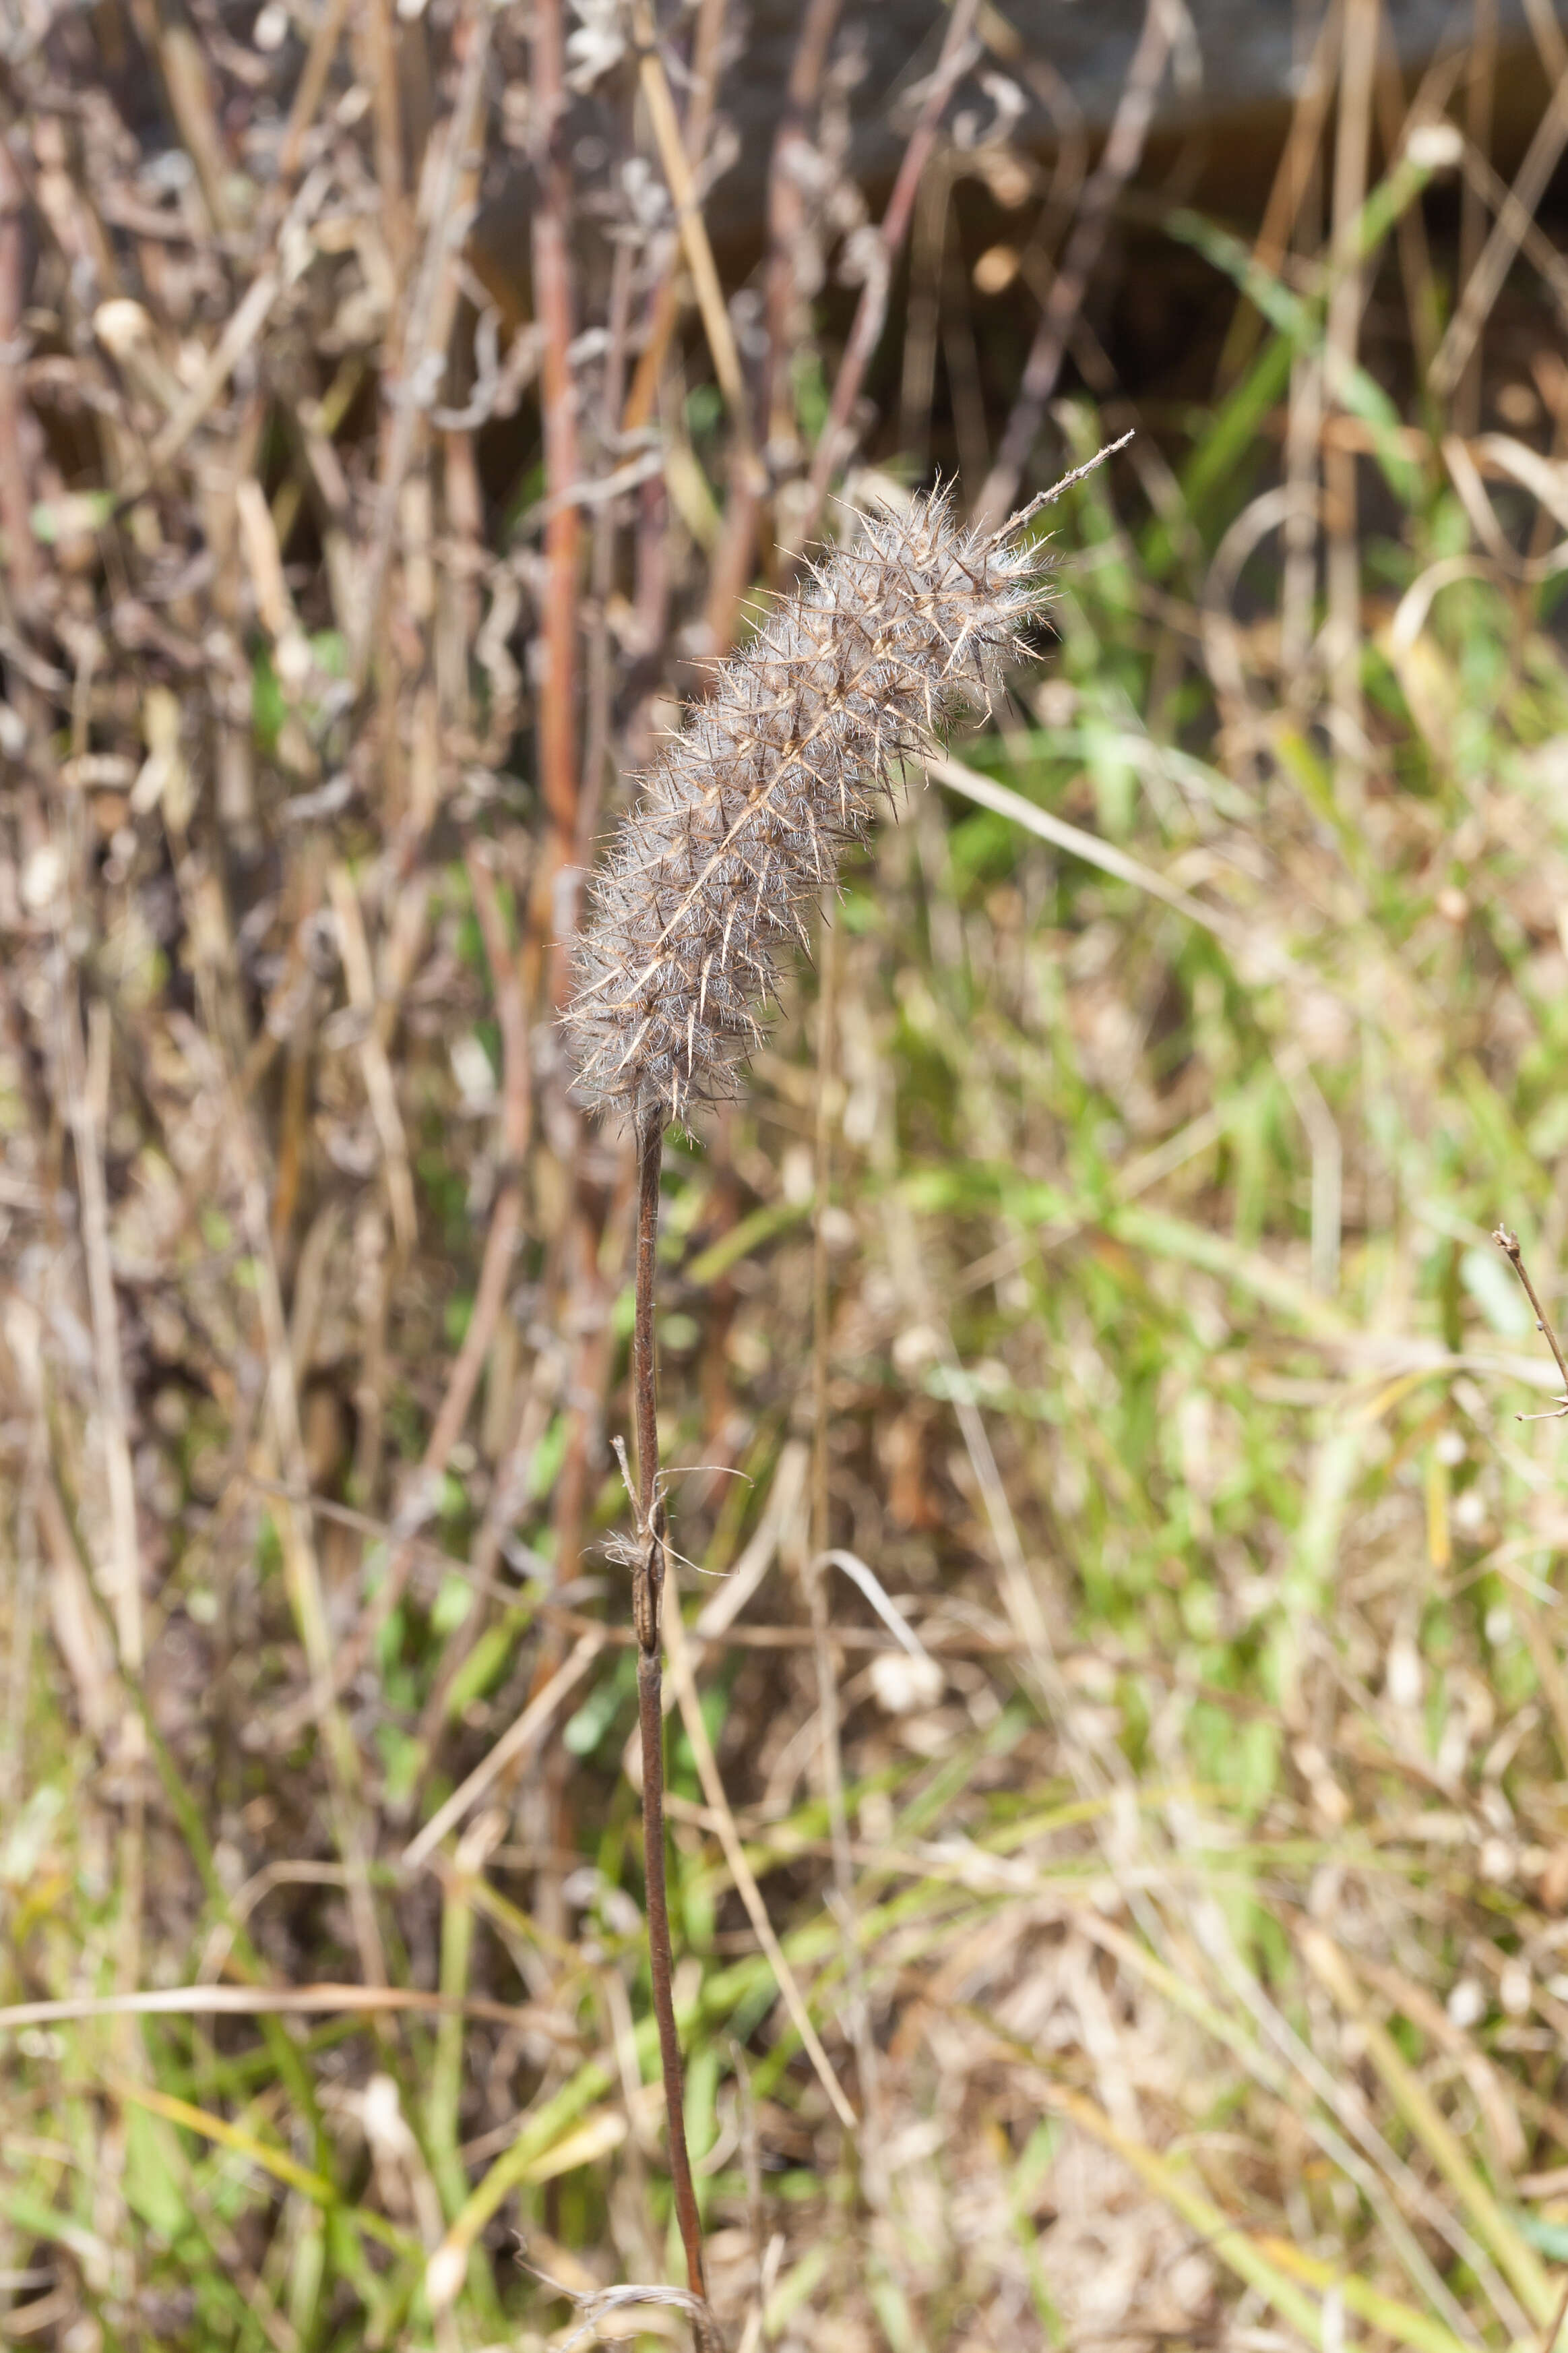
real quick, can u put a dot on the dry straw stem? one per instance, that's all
(741, 818)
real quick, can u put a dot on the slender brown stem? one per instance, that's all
(1508, 1245)
(648, 1586)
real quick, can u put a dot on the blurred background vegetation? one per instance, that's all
(1122, 1708)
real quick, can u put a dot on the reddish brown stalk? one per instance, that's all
(647, 1589)
(1123, 150)
(552, 297)
(872, 308)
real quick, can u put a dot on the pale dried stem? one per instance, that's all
(1296, 176)
(379, 37)
(733, 558)
(746, 1885)
(206, 922)
(431, 310)
(495, 1272)
(172, 44)
(1485, 282)
(686, 147)
(553, 284)
(871, 311)
(1353, 141)
(520, 1739)
(16, 504)
(600, 683)
(87, 1100)
(381, 1090)
(312, 87)
(1480, 91)
(1122, 153)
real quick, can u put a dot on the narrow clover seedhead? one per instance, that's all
(741, 817)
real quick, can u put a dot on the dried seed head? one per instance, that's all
(741, 818)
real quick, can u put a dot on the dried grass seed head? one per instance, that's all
(740, 820)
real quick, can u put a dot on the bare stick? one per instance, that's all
(1508, 1245)
(647, 1587)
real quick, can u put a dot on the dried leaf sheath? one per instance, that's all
(741, 817)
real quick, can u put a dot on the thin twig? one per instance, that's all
(1486, 280)
(312, 86)
(648, 1586)
(430, 313)
(1353, 149)
(1508, 1245)
(672, 155)
(596, 726)
(686, 147)
(730, 571)
(554, 300)
(515, 1742)
(872, 307)
(16, 504)
(1048, 498)
(87, 1094)
(1123, 150)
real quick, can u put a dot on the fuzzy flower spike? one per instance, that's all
(741, 817)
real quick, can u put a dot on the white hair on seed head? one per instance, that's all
(740, 820)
